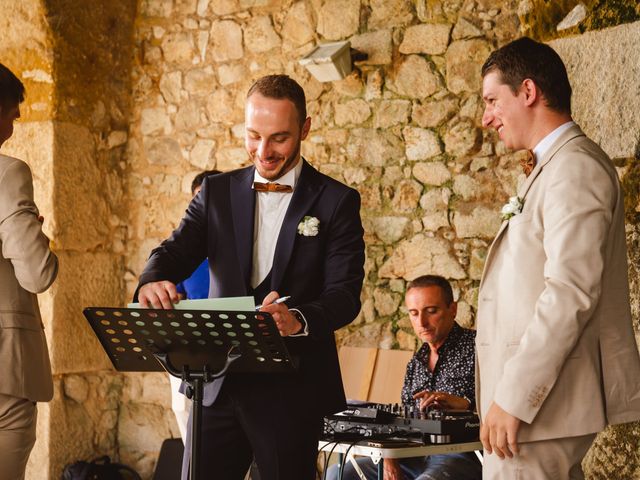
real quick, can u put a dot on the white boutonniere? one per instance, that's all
(309, 226)
(511, 208)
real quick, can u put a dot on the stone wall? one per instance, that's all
(127, 101)
(403, 128)
(74, 58)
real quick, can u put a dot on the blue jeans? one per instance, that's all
(452, 466)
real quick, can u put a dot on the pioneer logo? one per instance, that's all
(472, 425)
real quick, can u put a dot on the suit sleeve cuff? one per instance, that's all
(305, 325)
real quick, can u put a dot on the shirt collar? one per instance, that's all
(290, 178)
(543, 145)
(451, 339)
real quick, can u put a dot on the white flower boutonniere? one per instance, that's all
(309, 226)
(511, 208)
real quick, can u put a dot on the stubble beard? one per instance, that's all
(288, 164)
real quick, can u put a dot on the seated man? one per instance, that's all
(440, 375)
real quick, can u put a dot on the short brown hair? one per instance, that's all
(525, 58)
(11, 89)
(433, 281)
(282, 86)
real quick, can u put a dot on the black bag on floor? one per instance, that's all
(99, 469)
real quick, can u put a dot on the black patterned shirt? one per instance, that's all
(454, 372)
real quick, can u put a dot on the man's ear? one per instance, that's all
(531, 91)
(306, 126)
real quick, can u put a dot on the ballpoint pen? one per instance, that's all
(279, 300)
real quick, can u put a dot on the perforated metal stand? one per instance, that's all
(205, 344)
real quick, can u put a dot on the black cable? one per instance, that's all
(326, 460)
(346, 457)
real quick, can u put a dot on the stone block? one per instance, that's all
(73, 345)
(154, 120)
(478, 256)
(463, 139)
(420, 144)
(465, 29)
(350, 86)
(373, 88)
(386, 302)
(298, 28)
(224, 7)
(178, 48)
(225, 41)
(606, 109)
(390, 13)
(353, 112)
(431, 173)
(432, 222)
(231, 158)
(156, 8)
(465, 315)
(200, 82)
(171, 86)
(391, 112)
(162, 151)
(392, 176)
(354, 176)
(435, 200)
(432, 113)
(142, 427)
(338, 19)
(374, 148)
(406, 196)
(221, 107)
(377, 45)
(230, 74)
(189, 116)
(415, 78)
(422, 255)
(259, 35)
(365, 336)
(429, 38)
(464, 59)
(201, 154)
(481, 222)
(76, 388)
(390, 229)
(466, 187)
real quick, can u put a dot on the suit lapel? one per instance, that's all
(570, 133)
(242, 200)
(307, 190)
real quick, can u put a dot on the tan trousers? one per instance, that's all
(557, 459)
(17, 435)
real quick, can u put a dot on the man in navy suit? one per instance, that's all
(278, 227)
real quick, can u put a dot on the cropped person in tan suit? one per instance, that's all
(27, 267)
(556, 355)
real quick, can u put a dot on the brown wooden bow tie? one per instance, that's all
(271, 187)
(528, 163)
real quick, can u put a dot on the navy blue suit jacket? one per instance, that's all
(323, 273)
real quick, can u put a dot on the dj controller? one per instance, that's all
(386, 421)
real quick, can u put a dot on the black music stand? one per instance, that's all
(195, 345)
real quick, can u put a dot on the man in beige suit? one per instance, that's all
(27, 267)
(556, 355)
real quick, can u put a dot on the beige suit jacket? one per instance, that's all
(555, 342)
(27, 267)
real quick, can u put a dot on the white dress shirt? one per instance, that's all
(270, 210)
(543, 145)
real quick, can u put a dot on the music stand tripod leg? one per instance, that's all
(196, 381)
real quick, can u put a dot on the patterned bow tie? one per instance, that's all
(271, 187)
(528, 163)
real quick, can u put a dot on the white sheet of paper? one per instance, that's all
(234, 304)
